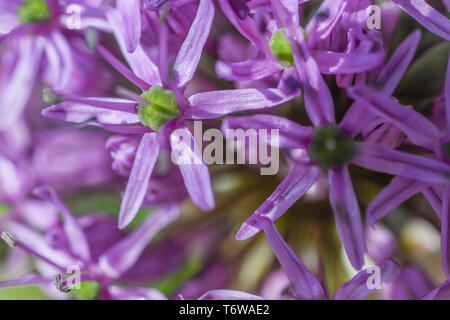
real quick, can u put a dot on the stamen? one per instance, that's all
(9, 239)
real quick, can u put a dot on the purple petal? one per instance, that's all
(124, 254)
(296, 183)
(396, 192)
(434, 196)
(391, 74)
(228, 295)
(318, 100)
(117, 104)
(445, 231)
(75, 235)
(143, 165)
(247, 70)
(139, 61)
(17, 91)
(35, 244)
(80, 113)
(347, 215)
(26, 281)
(247, 27)
(119, 293)
(120, 67)
(427, 16)
(447, 94)
(331, 62)
(214, 104)
(305, 284)
(416, 126)
(130, 12)
(191, 49)
(442, 292)
(291, 134)
(381, 159)
(358, 289)
(187, 155)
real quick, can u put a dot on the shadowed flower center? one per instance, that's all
(88, 290)
(34, 11)
(330, 147)
(161, 107)
(446, 149)
(281, 48)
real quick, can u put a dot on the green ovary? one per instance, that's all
(281, 48)
(330, 147)
(34, 11)
(162, 107)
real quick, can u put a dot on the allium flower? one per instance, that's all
(414, 174)
(159, 114)
(101, 261)
(33, 32)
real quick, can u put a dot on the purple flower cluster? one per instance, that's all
(100, 97)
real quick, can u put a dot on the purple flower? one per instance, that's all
(76, 242)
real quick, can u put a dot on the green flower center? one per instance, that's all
(330, 147)
(281, 48)
(446, 149)
(161, 107)
(89, 290)
(34, 11)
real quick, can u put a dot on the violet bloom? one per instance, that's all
(76, 242)
(303, 284)
(306, 286)
(33, 30)
(414, 174)
(336, 48)
(326, 147)
(160, 112)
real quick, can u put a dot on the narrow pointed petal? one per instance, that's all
(191, 50)
(119, 293)
(305, 284)
(382, 159)
(391, 74)
(434, 195)
(130, 12)
(291, 134)
(81, 113)
(26, 281)
(331, 62)
(225, 294)
(442, 292)
(318, 100)
(121, 68)
(416, 126)
(74, 233)
(347, 215)
(396, 192)
(296, 183)
(35, 244)
(67, 63)
(247, 70)
(136, 188)
(447, 94)
(142, 66)
(445, 234)
(247, 27)
(213, 104)
(358, 289)
(188, 157)
(427, 16)
(124, 254)
(15, 95)
(111, 103)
